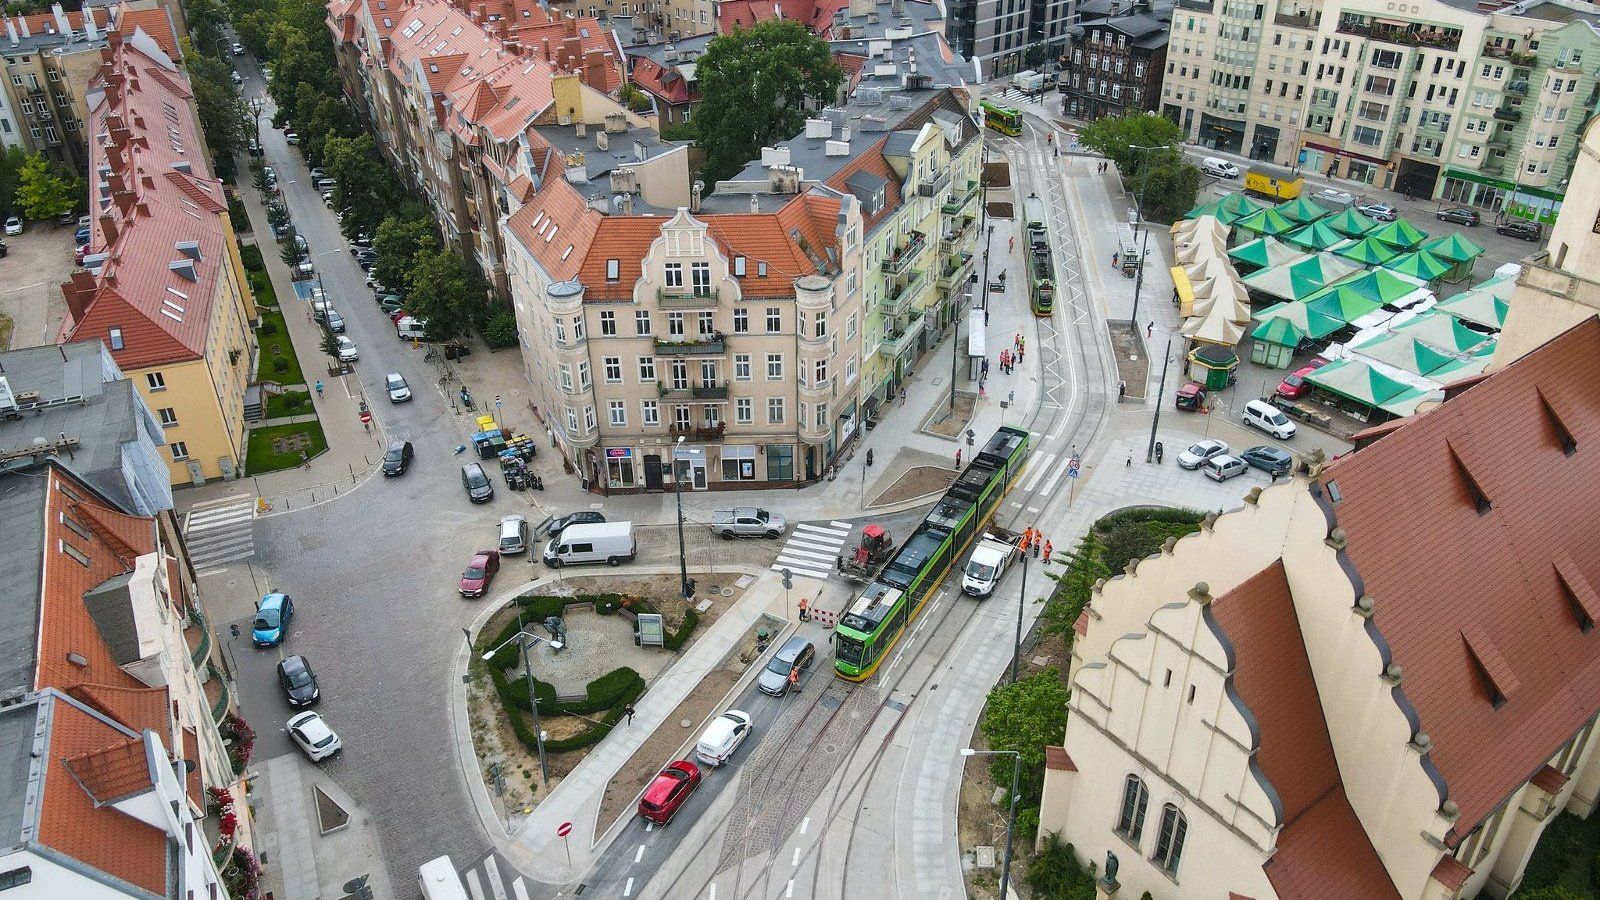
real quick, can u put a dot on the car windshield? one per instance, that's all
(299, 678)
(1200, 449)
(267, 618)
(473, 572)
(1293, 381)
(392, 456)
(980, 571)
(326, 740)
(397, 382)
(780, 665)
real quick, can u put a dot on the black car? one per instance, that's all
(298, 682)
(554, 527)
(398, 458)
(1268, 459)
(1519, 228)
(1461, 215)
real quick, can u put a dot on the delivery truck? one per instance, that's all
(1272, 182)
(989, 562)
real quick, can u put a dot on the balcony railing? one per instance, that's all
(713, 347)
(1412, 34)
(1508, 114)
(956, 270)
(203, 647)
(903, 257)
(897, 342)
(219, 706)
(960, 197)
(702, 433)
(1490, 49)
(1293, 21)
(677, 298)
(1520, 88)
(697, 392)
(935, 186)
(1499, 138)
(904, 292)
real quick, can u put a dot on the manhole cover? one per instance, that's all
(830, 748)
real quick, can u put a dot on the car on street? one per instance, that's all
(81, 235)
(238, 49)
(554, 527)
(397, 458)
(14, 225)
(391, 304)
(1383, 212)
(266, 72)
(291, 137)
(513, 535)
(4, 250)
(1295, 385)
(1269, 459)
(77, 255)
(1461, 215)
(1520, 228)
(794, 656)
(299, 683)
(255, 147)
(312, 733)
(723, 736)
(317, 174)
(399, 391)
(347, 348)
(335, 321)
(235, 77)
(480, 572)
(1196, 455)
(667, 792)
(271, 623)
(1263, 415)
(1221, 468)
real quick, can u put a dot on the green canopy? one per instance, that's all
(1418, 264)
(1360, 382)
(1485, 305)
(1343, 303)
(1454, 247)
(1238, 204)
(1204, 209)
(1443, 331)
(1381, 285)
(1313, 324)
(1266, 221)
(1282, 282)
(1350, 223)
(1404, 352)
(1316, 236)
(1302, 210)
(1265, 251)
(1279, 331)
(1325, 267)
(1368, 251)
(1400, 234)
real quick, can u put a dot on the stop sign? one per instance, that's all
(564, 829)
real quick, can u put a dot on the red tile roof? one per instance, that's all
(871, 160)
(1550, 780)
(136, 708)
(557, 205)
(1451, 872)
(112, 773)
(1322, 850)
(156, 22)
(744, 14)
(665, 82)
(1056, 759)
(1440, 568)
(623, 238)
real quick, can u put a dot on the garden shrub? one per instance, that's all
(268, 328)
(500, 331)
(280, 365)
(250, 255)
(1054, 873)
(676, 639)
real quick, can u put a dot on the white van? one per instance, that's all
(1219, 168)
(439, 881)
(409, 328)
(607, 542)
(723, 736)
(1268, 418)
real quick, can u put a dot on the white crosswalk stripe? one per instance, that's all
(812, 550)
(494, 879)
(220, 532)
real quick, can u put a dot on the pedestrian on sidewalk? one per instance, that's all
(628, 711)
(1116, 257)
(1012, 246)
(805, 610)
(958, 457)
(1047, 549)
(794, 679)
(319, 389)
(1149, 328)
(305, 460)
(1016, 341)
(1129, 463)
(986, 367)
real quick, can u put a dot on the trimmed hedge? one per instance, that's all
(250, 255)
(1141, 514)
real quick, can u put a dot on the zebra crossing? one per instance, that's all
(220, 532)
(1018, 95)
(813, 551)
(495, 879)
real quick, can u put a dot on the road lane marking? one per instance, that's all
(797, 857)
(713, 893)
(1042, 467)
(804, 824)
(845, 525)
(801, 569)
(640, 855)
(627, 889)
(789, 892)
(1051, 484)
(841, 532)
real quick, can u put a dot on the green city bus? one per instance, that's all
(1003, 119)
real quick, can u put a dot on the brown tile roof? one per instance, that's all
(136, 708)
(665, 82)
(1550, 780)
(558, 205)
(1056, 759)
(156, 22)
(1440, 569)
(1322, 849)
(871, 160)
(112, 773)
(1451, 872)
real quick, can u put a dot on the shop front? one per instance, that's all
(1501, 197)
(619, 468)
(689, 465)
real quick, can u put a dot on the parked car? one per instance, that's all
(554, 527)
(399, 391)
(266, 73)
(513, 535)
(1295, 385)
(235, 77)
(77, 255)
(273, 615)
(317, 174)
(612, 543)
(747, 521)
(81, 235)
(299, 683)
(476, 483)
(314, 736)
(1263, 415)
(390, 303)
(1461, 215)
(794, 656)
(723, 736)
(1269, 459)
(480, 572)
(291, 137)
(1221, 468)
(255, 147)
(1383, 212)
(238, 49)
(347, 347)
(14, 225)
(397, 458)
(667, 792)
(1196, 455)
(336, 322)
(1517, 228)
(4, 250)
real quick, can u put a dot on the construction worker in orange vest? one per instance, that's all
(805, 615)
(794, 679)
(1047, 551)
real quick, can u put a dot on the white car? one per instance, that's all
(314, 736)
(723, 736)
(399, 391)
(238, 49)
(1196, 456)
(347, 349)
(14, 225)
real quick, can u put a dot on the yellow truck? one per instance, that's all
(1268, 181)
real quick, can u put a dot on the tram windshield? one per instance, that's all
(848, 649)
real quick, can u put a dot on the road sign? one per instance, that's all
(497, 401)
(564, 829)
(788, 578)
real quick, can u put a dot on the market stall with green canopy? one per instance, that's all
(1368, 251)
(1484, 305)
(1399, 234)
(1264, 252)
(1274, 341)
(1212, 365)
(1350, 223)
(1302, 210)
(1316, 236)
(1419, 264)
(1385, 287)
(1370, 389)
(1443, 331)
(1405, 352)
(1267, 221)
(1458, 250)
(1300, 278)
(1315, 325)
(1228, 210)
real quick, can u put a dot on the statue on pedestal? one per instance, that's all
(1111, 868)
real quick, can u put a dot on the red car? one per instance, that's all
(1295, 385)
(668, 791)
(475, 580)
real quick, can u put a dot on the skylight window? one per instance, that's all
(116, 339)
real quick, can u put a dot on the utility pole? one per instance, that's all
(1161, 394)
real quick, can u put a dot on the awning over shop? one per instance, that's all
(1282, 282)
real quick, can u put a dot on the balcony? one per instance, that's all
(901, 295)
(902, 258)
(697, 392)
(1500, 139)
(934, 186)
(1293, 21)
(1201, 5)
(899, 342)
(216, 688)
(1520, 88)
(957, 269)
(1508, 114)
(1409, 34)
(703, 433)
(955, 234)
(714, 347)
(1489, 49)
(1493, 166)
(960, 197)
(677, 298)
(198, 638)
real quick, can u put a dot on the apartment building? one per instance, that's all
(163, 286)
(1312, 697)
(50, 59)
(1114, 62)
(1441, 99)
(114, 691)
(998, 35)
(666, 72)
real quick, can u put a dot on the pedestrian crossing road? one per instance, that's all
(220, 532)
(494, 879)
(812, 551)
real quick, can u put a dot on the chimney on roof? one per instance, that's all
(595, 71)
(90, 30)
(63, 26)
(755, 203)
(898, 8)
(11, 32)
(581, 128)
(142, 208)
(78, 292)
(860, 7)
(616, 122)
(626, 201)
(22, 25)
(694, 196)
(602, 141)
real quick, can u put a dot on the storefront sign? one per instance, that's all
(619, 452)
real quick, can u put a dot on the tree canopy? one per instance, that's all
(365, 185)
(1118, 138)
(754, 85)
(446, 295)
(1024, 717)
(401, 244)
(223, 118)
(45, 194)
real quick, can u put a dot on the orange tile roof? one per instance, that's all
(88, 758)
(665, 82)
(136, 708)
(1451, 872)
(1322, 850)
(1056, 759)
(1550, 780)
(156, 22)
(744, 14)
(559, 205)
(623, 238)
(872, 161)
(1439, 566)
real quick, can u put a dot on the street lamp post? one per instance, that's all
(1161, 393)
(533, 698)
(683, 559)
(1138, 209)
(1011, 817)
(1016, 649)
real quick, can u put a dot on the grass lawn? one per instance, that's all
(261, 286)
(265, 370)
(260, 457)
(289, 403)
(6, 327)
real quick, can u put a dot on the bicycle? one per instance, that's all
(431, 356)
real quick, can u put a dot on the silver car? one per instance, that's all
(795, 656)
(399, 391)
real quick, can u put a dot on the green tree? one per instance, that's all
(45, 194)
(1025, 717)
(223, 117)
(1085, 566)
(206, 18)
(12, 159)
(1116, 137)
(254, 28)
(321, 119)
(753, 88)
(1553, 892)
(292, 254)
(330, 343)
(445, 294)
(501, 330)
(1167, 185)
(364, 184)
(401, 245)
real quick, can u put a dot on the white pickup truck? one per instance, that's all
(746, 521)
(989, 562)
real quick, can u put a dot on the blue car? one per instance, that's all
(82, 235)
(272, 620)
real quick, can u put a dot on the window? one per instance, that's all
(741, 320)
(700, 273)
(641, 322)
(1135, 797)
(822, 416)
(169, 417)
(744, 411)
(651, 411)
(675, 324)
(850, 328)
(561, 332)
(588, 418)
(613, 270)
(1169, 841)
(674, 275)
(16, 877)
(680, 417)
(707, 325)
(849, 369)
(572, 419)
(739, 463)
(180, 450)
(708, 373)
(822, 372)
(585, 379)
(1361, 134)
(608, 323)
(741, 367)
(780, 462)
(774, 366)
(774, 319)
(577, 328)
(821, 326)
(155, 381)
(710, 415)
(647, 368)
(613, 365)
(774, 410)
(566, 376)
(116, 339)
(680, 375)
(738, 266)
(619, 414)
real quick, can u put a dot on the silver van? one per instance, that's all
(1263, 415)
(438, 880)
(513, 535)
(1219, 168)
(608, 542)
(723, 736)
